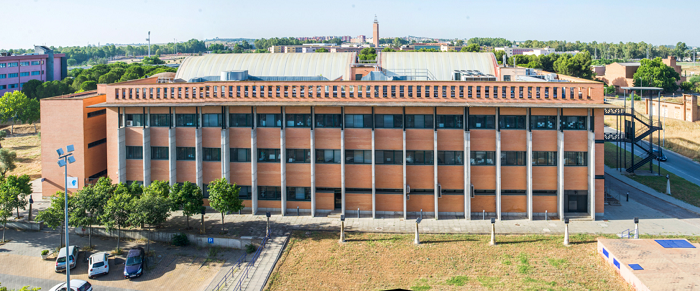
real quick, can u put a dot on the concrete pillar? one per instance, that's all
(254, 163)
(528, 164)
(374, 179)
(435, 172)
(591, 165)
(342, 164)
(313, 164)
(560, 168)
(225, 148)
(146, 156)
(404, 175)
(199, 157)
(283, 167)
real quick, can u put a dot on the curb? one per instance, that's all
(652, 192)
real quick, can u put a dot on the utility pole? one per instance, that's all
(149, 44)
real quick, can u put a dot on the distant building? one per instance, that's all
(359, 39)
(375, 32)
(42, 65)
(622, 74)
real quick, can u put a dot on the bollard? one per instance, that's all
(483, 215)
(358, 212)
(628, 197)
(566, 231)
(297, 210)
(636, 228)
(545, 215)
(342, 228)
(417, 240)
(493, 232)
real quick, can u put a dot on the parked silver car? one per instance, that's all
(71, 257)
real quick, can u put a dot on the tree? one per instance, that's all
(16, 106)
(89, 204)
(154, 60)
(20, 188)
(223, 197)
(88, 85)
(322, 50)
(24, 288)
(472, 48)
(654, 73)
(499, 56)
(109, 78)
(159, 188)
(117, 210)
(30, 88)
(686, 86)
(680, 50)
(459, 42)
(388, 49)
(7, 161)
(188, 198)
(54, 216)
(152, 209)
(576, 66)
(72, 62)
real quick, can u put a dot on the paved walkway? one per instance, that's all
(258, 276)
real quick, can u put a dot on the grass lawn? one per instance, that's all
(316, 261)
(680, 188)
(27, 145)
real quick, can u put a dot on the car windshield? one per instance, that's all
(61, 260)
(97, 265)
(130, 261)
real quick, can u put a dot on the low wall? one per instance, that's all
(166, 237)
(687, 109)
(24, 225)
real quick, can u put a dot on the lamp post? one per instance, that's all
(668, 184)
(636, 228)
(342, 229)
(31, 201)
(493, 232)
(65, 158)
(267, 230)
(204, 210)
(566, 231)
(417, 240)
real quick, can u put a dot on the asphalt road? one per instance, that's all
(17, 282)
(677, 164)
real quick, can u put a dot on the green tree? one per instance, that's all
(24, 288)
(16, 106)
(322, 50)
(154, 60)
(54, 216)
(88, 85)
(686, 86)
(654, 73)
(117, 210)
(152, 209)
(188, 198)
(576, 66)
(223, 197)
(71, 62)
(20, 188)
(680, 50)
(159, 188)
(499, 56)
(30, 88)
(471, 48)
(109, 78)
(7, 161)
(388, 50)
(89, 204)
(459, 42)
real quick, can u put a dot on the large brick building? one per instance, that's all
(311, 131)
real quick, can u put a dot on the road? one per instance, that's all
(677, 164)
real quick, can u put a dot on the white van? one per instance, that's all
(72, 258)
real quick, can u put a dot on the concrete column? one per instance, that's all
(560, 168)
(498, 173)
(283, 167)
(146, 156)
(254, 164)
(404, 175)
(121, 174)
(374, 180)
(467, 177)
(199, 157)
(435, 172)
(313, 163)
(225, 148)
(591, 165)
(528, 164)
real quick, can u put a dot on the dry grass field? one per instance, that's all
(316, 261)
(27, 145)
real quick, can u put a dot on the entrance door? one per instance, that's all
(576, 201)
(338, 200)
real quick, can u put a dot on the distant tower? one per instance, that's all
(375, 32)
(149, 44)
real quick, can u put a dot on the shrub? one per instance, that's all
(180, 240)
(250, 248)
(44, 252)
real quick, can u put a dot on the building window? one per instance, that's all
(388, 120)
(482, 192)
(298, 156)
(240, 120)
(245, 192)
(544, 192)
(13, 86)
(269, 193)
(3, 76)
(240, 155)
(573, 122)
(575, 158)
(450, 158)
(419, 158)
(185, 154)
(358, 120)
(328, 156)
(11, 65)
(389, 157)
(160, 153)
(97, 113)
(270, 120)
(513, 192)
(544, 158)
(24, 74)
(2, 65)
(134, 152)
(511, 121)
(97, 142)
(358, 156)
(36, 73)
(298, 193)
(481, 158)
(160, 120)
(450, 121)
(35, 63)
(186, 120)
(329, 120)
(211, 120)
(419, 121)
(211, 154)
(512, 158)
(543, 122)
(12, 75)
(3, 87)
(298, 120)
(482, 121)
(269, 155)
(24, 64)
(134, 120)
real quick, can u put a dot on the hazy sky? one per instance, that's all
(78, 22)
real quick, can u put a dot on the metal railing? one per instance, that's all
(627, 233)
(251, 264)
(230, 272)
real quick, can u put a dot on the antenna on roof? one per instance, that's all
(375, 18)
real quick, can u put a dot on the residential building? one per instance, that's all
(42, 65)
(622, 74)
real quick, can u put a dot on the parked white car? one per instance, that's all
(75, 285)
(98, 264)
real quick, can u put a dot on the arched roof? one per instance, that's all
(330, 66)
(440, 64)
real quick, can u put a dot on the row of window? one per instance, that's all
(304, 193)
(508, 158)
(364, 121)
(21, 74)
(23, 64)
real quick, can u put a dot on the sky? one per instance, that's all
(79, 22)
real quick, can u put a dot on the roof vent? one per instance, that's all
(241, 75)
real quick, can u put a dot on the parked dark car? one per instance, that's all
(135, 261)
(659, 155)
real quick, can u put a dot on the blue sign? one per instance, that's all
(210, 240)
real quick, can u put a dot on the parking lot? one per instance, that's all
(171, 268)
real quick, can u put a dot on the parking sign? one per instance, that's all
(210, 240)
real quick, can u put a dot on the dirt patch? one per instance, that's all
(316, 261)
(27, 145)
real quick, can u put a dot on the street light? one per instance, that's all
(31, 201)
(267, 230)
(636, 228)
(417, 240)
(566, 231)
(65, 158)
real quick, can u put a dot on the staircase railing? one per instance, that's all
(251, 264)
(230, 272)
